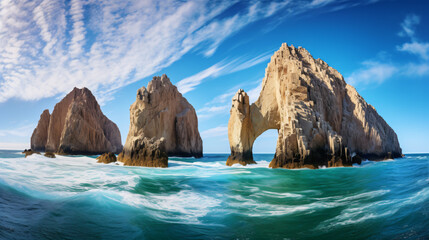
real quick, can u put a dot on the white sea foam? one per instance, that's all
(259, 164)
(278, 195)
(69, 177)
(383, 208)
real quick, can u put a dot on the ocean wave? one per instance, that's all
(185, 206)
(252, 207)
(368, 211)
(278, 195)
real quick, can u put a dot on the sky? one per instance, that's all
(208, 49)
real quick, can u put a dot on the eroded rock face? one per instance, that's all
(160, 111)
(321, 120)
(77, 126)
(40, 133)
(146, 152)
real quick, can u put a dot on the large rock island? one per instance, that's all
(321, 120)
(76, 126)
(162, 123)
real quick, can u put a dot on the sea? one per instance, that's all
(73, 197)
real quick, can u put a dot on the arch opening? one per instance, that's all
(264, 146)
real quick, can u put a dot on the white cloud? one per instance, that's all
(420, 69)
(254, 61)
(190, 83)
(378, 72)
(221, 68)
(320, 2)
(211, 111)
(417, 48)
(215, 132)
(372, 72)
(408, 25)
(254, 93)
(48, 47)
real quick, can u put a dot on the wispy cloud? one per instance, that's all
(49, 47)
(207, 112)
(416, 47)
(218, 131)
(190, 83)
(254, 93)
(221, 68)
(372, 72)
(408, 26)
(377, 71)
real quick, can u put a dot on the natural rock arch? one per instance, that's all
(321, 120)
(247, 123)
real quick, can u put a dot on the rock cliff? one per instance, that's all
(76, 126)
(40, 134)
(161, 118)
(321, 120)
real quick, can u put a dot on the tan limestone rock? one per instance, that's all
(160, 111)
(321, 120)
(78, 126)
(106, 158)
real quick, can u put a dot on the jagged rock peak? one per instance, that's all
(161, 112)
(321, 120)
(77, 126)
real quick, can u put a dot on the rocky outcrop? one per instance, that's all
(146, 152)
(49, 154)
(40, 134)
(321, 120)
(161, 118)
(77, 126)
(29, 152)
(106, 158)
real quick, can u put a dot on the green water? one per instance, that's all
(76, 198)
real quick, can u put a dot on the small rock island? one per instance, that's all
(162, 123)
(76, 126)
(321, 120)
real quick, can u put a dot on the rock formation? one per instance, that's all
(29, 152)
(106, 158)
(76, 126)
(161, 119)
(146, 152)
(49, 155)
(321, 120)
(40, 134)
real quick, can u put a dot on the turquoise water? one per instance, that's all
(76, 198)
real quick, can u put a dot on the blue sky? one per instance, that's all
(209, 50)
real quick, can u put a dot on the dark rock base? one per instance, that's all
(241, 158)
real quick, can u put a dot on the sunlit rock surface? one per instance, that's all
(321, 120)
